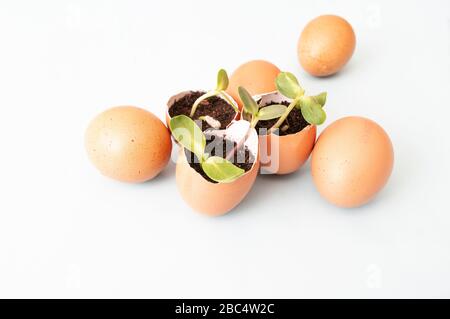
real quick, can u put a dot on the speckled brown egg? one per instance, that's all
(128, 144)
(326, 45)
(352, 161)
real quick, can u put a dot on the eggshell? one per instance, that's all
(284, 154)
(216, 199)
(178, 96)
(291, 153)
(352, 161)
(128, 144)
(326, 45)
(256, 76)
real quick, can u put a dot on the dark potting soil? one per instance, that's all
(214, 107)
(218, 146)
(294, 123)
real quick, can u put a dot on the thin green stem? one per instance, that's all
(201, 99)
(254, 121)
(284, 116)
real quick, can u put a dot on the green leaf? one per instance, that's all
(188, 134)
(312, 111)
(222, 80)
(287, 84)
(221, 170)
(250, 105)
(271, 112)
(321, 98)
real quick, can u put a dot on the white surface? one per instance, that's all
(66, 231)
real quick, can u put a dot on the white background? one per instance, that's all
(67, 231)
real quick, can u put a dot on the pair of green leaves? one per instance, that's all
(251, 107)
(310, 106)
(287, 84)
(190, 136)
(221, 86)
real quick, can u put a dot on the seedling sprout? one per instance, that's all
(257, 114)
(221, 86)
(310, 106)
(190, 136)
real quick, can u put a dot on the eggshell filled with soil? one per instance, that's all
(256, 76)
(217, 107)
(211, 198)
(352, 161)
(284, 154)
(128, 144)
(326, 44)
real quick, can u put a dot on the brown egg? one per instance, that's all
(256, 76)
(352, 161)
(215, 199)
(326, 45)
(284, 154)
(128, 144)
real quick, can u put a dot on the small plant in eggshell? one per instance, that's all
(259, 114)
(217, 191)
(221, 86)
(214, 108)
(287, 140)
(311, 107)
(190, 136)
(251, 107)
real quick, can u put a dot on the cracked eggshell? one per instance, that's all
(352, 161)
(284, 154)
(257, 76)
(128, 144)
(215, 199)
(178, 96)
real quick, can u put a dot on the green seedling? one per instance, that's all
(190, 136)
(259, 114)
(252, 108)
(310, 106)
(222, 85)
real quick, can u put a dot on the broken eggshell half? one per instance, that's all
(215, 199)
(178, 96)
(283, 154)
